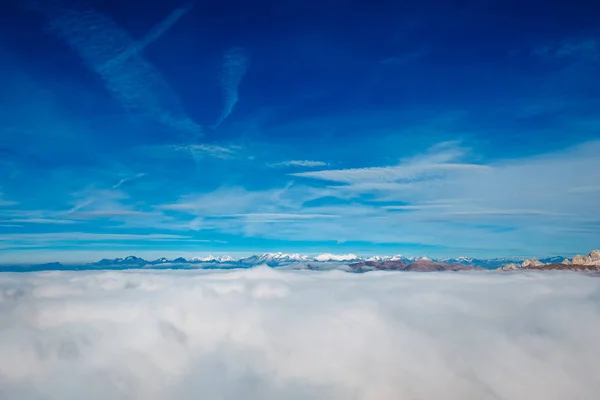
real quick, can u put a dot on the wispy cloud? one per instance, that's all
(216, 151)
(436, 198)
(197, 151)
(299, 163)
(86, 236)
(582, 48)
(6, 203)
(438, 162)
(110, 52)
(276, 217)
(41, 221)
(138, 46)
(235, 65)
(122, 181)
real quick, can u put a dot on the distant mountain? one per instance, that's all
(328, 261)
(421, 265)
(490, 263)
(212, 259)
(129, 261)
(589, 263)
(281, 259)
(335, 257)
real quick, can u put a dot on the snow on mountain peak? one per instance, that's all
(279, 256)
(212, 258)
(336, 257)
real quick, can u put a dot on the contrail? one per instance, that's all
(154, 33)
(130, 178)
(109, 51)
(235, 65)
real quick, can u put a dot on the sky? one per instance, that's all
(422, 128)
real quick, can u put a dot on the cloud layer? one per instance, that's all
(267, 334)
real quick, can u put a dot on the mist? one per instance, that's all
(268, 334)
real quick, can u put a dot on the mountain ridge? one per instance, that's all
(279, 258)
(326, 261)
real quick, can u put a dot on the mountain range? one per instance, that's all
(291, 260)
(282, 259)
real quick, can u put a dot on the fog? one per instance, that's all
(268, 334)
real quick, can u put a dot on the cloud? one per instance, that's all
(525, 206)
(583, 48)
(440, 161)
(264, 334)
(6, 203)
(40, 221)
(386, 174)
(276, 217)
(216, 151)
(196, 150)
(110, 52)
(122, 181)
(154, 34)
(235, 65)
(33, 217)
(299, 163)
(85, 236)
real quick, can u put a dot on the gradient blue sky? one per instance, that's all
(423, 128)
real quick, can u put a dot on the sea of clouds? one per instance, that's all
(268, 334)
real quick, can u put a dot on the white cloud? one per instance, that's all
(277, 217)
(156, 32)
(235, 66)
(196, 150)
(6, 203)
(85, 236)
(216, 151)
(299, 163)
(40, 221)
(438, 162)
(109, 51)
(523, 206)
(263, 334)
(129, 178)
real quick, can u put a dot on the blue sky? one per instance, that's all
(423, 128)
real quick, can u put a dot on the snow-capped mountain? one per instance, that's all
(283, 257)
(131, 261)
(327, 257)
(488, 263)
(160, 261)
(213, 259)
(294, 260)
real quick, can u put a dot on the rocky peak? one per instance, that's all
(591, 259)
(509, 267)
(531, 263)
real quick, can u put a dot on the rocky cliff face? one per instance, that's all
(590, 263)
(510, 267)
(531, 263)
(592, 259)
